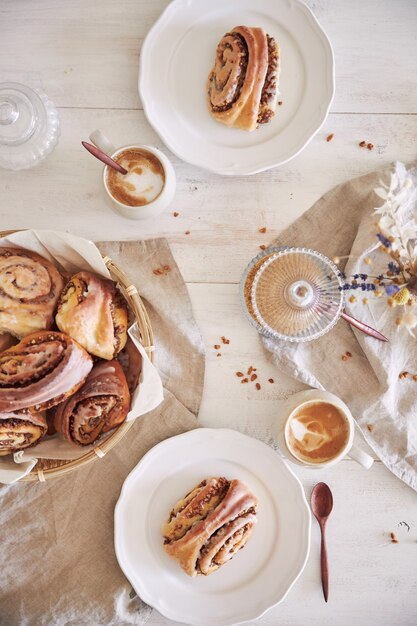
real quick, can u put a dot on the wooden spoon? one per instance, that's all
(103, 157)
(321, 505)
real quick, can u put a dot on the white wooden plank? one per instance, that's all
(222, 214)
(372, 581)
(86, 53)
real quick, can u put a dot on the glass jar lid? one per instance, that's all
(295, 294)
(29, 126)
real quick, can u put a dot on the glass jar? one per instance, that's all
(29, 126)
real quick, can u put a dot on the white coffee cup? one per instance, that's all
(152, 208)
(308, 397)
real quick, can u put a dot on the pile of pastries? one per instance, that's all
(62, 368)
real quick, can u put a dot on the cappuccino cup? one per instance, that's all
(318, 430)
(149, 186)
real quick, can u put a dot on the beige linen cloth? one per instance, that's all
(385, 407)
(58, 566)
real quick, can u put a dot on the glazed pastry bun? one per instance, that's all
(210, 524)
(242, 88)
(94, 313)
(29, 291)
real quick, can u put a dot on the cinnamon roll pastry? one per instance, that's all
(93, 312)
(242, 87)
(29, 291)
(100, 405)
(19, 430)
(41, 371)
(210, 524)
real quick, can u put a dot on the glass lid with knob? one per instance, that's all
(295, 294)
(29, 126)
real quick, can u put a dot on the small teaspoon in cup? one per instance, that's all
(102, 156)
(322, 505)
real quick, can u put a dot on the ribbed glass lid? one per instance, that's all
(21, 113)
(296, 294)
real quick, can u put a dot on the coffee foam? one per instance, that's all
(144, 181)
(317, 432)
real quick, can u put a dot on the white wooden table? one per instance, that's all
(86, 56)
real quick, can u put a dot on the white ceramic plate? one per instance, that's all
(259, 576)
(178, 54)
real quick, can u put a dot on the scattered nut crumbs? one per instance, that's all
(402, 375)
(280, 103)
(270, 380)
(159, 271)
(258, 386)
(370, 427)
(253, 377)
(187, 232)
(216, 346)
(370, 146)
(362, 144)
(218, 354)
(393, 538)
(225, 341)
(239, 374)
(262, 247)
(244, 380)
(263, 229)
(329, 137)
(175, 214)
(346, 356)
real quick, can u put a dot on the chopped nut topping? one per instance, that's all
(362, 144)
(239, 374)
(258, 386)
(370, 146)
(187, 232)
(175, 214)
(270, 380)
(244, 380)
(263, 229)
(262, 247)
(253, 377)
(370, 427)
(329, 137)
(216, 346)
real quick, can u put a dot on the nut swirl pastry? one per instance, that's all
(41, 371)
(20, 429)
(210, 524)
(29, 291)
(100, 405)
(94, 313)
(242, 87)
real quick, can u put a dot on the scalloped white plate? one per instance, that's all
(178, 54)
(259, 576)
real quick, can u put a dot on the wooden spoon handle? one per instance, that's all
(368, 330)
(324, 566)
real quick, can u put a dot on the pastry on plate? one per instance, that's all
(242, 87)
(93, 312)
(210, 524)
(41, 371)
(100, 405)
(20, 429)
(29, 291)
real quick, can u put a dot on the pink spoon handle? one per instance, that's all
(102, 156)
(368, 330)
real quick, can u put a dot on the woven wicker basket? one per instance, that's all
(52, 468)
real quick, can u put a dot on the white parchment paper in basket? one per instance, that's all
(74, 254)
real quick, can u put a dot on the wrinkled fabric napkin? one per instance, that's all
(342, 223)
(58, 564)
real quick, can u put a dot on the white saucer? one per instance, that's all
(178, 54)
(259, 576)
